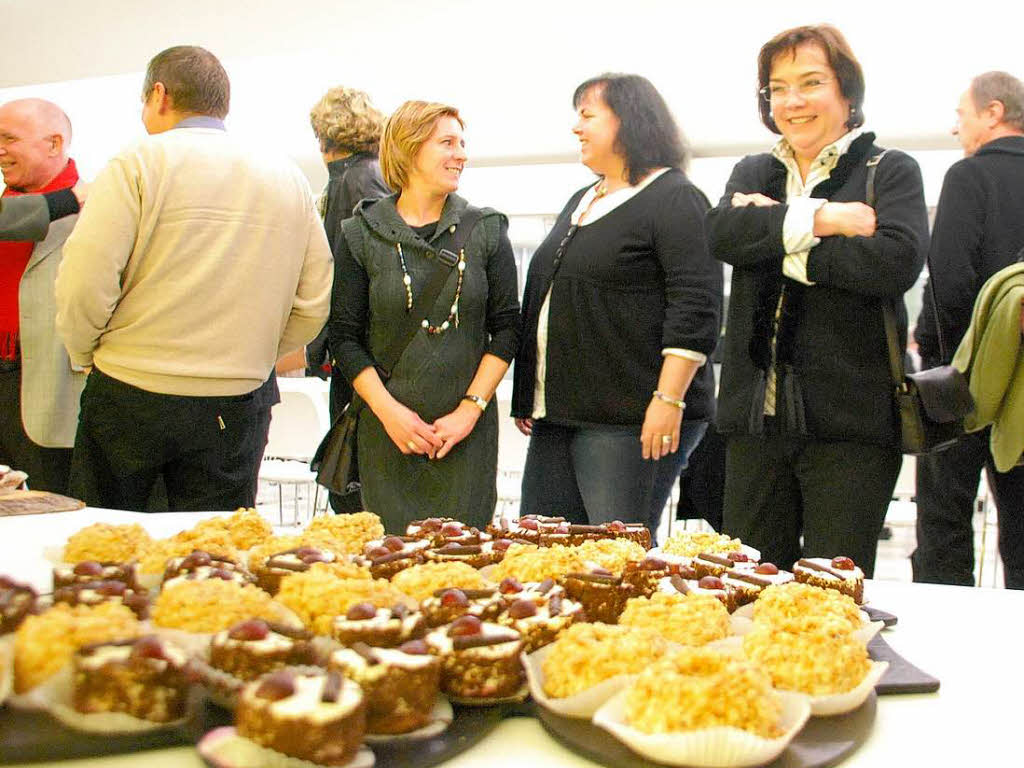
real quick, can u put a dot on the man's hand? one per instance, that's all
(846, 219)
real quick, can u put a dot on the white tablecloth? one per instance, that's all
(971, 639)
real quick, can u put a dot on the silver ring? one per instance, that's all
(666, 439)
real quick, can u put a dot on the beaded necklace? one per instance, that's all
(453, 316)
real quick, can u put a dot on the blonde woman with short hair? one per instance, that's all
(428, 440)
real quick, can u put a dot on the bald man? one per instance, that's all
(39, 391)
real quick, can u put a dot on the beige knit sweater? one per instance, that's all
(195, 264)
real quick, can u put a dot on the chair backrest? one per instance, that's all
(297, 425)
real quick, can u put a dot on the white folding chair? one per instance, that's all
(297, 425)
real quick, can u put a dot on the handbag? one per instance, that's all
(336, 459)
(932, 403)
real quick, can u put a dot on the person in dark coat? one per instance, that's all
(806, 398)
(428, 439)
(979, 230)
(621, 311)
(347, 127)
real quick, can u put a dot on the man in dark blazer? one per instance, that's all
(979, 229)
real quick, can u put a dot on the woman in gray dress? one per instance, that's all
(428, 440)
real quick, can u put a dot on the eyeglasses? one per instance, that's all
(805, 88)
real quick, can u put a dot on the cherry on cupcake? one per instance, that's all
(197, 559)
(276, 686)
(529, 524)
(522, 609)
(452, 598)
(768, 569)
(361, 612)
(393, 544)
(843, 563)
(738, 557)
(250, 629)
(617, 526)
(653, 564)
(414, 648)
(148, 647)
(510, 585)
(465, 625)
(710, 582)
(88, 568)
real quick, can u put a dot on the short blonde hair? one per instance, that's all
(345, 119)
(404, 133)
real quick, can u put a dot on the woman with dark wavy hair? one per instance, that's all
(620, 313)
(806, 399)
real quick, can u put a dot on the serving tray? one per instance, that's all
(36, 503)
(901, 676)
(824, 741)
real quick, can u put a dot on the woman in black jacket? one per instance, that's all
(806, 396)
(620, 312)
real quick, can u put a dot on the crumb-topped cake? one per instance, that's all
(213, 605)
(817, 658)
(696, 688)
(348, 533)
(255, 647)
(91, 570)
(143, 677)
(711, 586)
(527, 529)
(199, 565)
(317, 596)
(104, 542)
(400, 684)
(574, 534)
(840, 573)
(478, 555)
(611, 554)
(527, 562)
(748, 580)
(17, 601)
(377, 626)
(319, 717)
(245, 527)
(689, 544)
(682, 619)
(46, 642)
(422, 581)
(796, 600)
(479, 660)
(96, 592)
(587, 654)
(643, 576)
(716, 564)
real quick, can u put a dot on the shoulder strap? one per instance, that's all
(896, 369)
(446, 260)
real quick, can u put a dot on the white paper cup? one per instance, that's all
(582, 705)
(106, 722)
(224, 748)
(721, 747)
(841, 703)
(440, 718)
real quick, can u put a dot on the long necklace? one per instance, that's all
(453, 316)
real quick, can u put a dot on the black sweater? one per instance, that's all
(979, 229)
(631, 283)
(833, 379)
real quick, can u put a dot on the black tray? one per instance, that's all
(901, 676)
(876, 614)
(823, 742)
(35, 737)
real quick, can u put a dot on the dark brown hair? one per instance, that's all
(840, 58)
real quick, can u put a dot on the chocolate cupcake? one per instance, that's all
(480, 660)
(255, 647)
(96, 592)
(378, 627)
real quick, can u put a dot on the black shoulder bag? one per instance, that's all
(932, 403)
(336, 459)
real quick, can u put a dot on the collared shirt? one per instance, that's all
(599, 206)
(201, 121)
(798, 226)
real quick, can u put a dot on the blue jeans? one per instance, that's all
(598, 474)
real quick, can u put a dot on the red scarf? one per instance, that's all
(13, 260)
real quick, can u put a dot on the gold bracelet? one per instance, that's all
(476, 400)
(670, 400)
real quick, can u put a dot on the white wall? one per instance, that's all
(510, 67)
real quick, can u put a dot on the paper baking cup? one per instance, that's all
(841, 703)
(581, 705)
(440, 718)
(224, 748)
(6, 667)
(740, 625)
(721, 747)
(57, 687)
(107, 722)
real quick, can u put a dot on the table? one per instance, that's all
(969, 638)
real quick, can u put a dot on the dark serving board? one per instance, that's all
(470, 725)
(877, 614)
(902, 676)
(35, 737)
(823, 742)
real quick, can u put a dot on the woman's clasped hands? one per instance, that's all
(412, 435)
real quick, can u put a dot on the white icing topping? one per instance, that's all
(439, 640)
(272, 643)
(855, 575)
(305, 703)
(389, 657)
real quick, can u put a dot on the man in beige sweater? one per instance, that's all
(195, 266)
